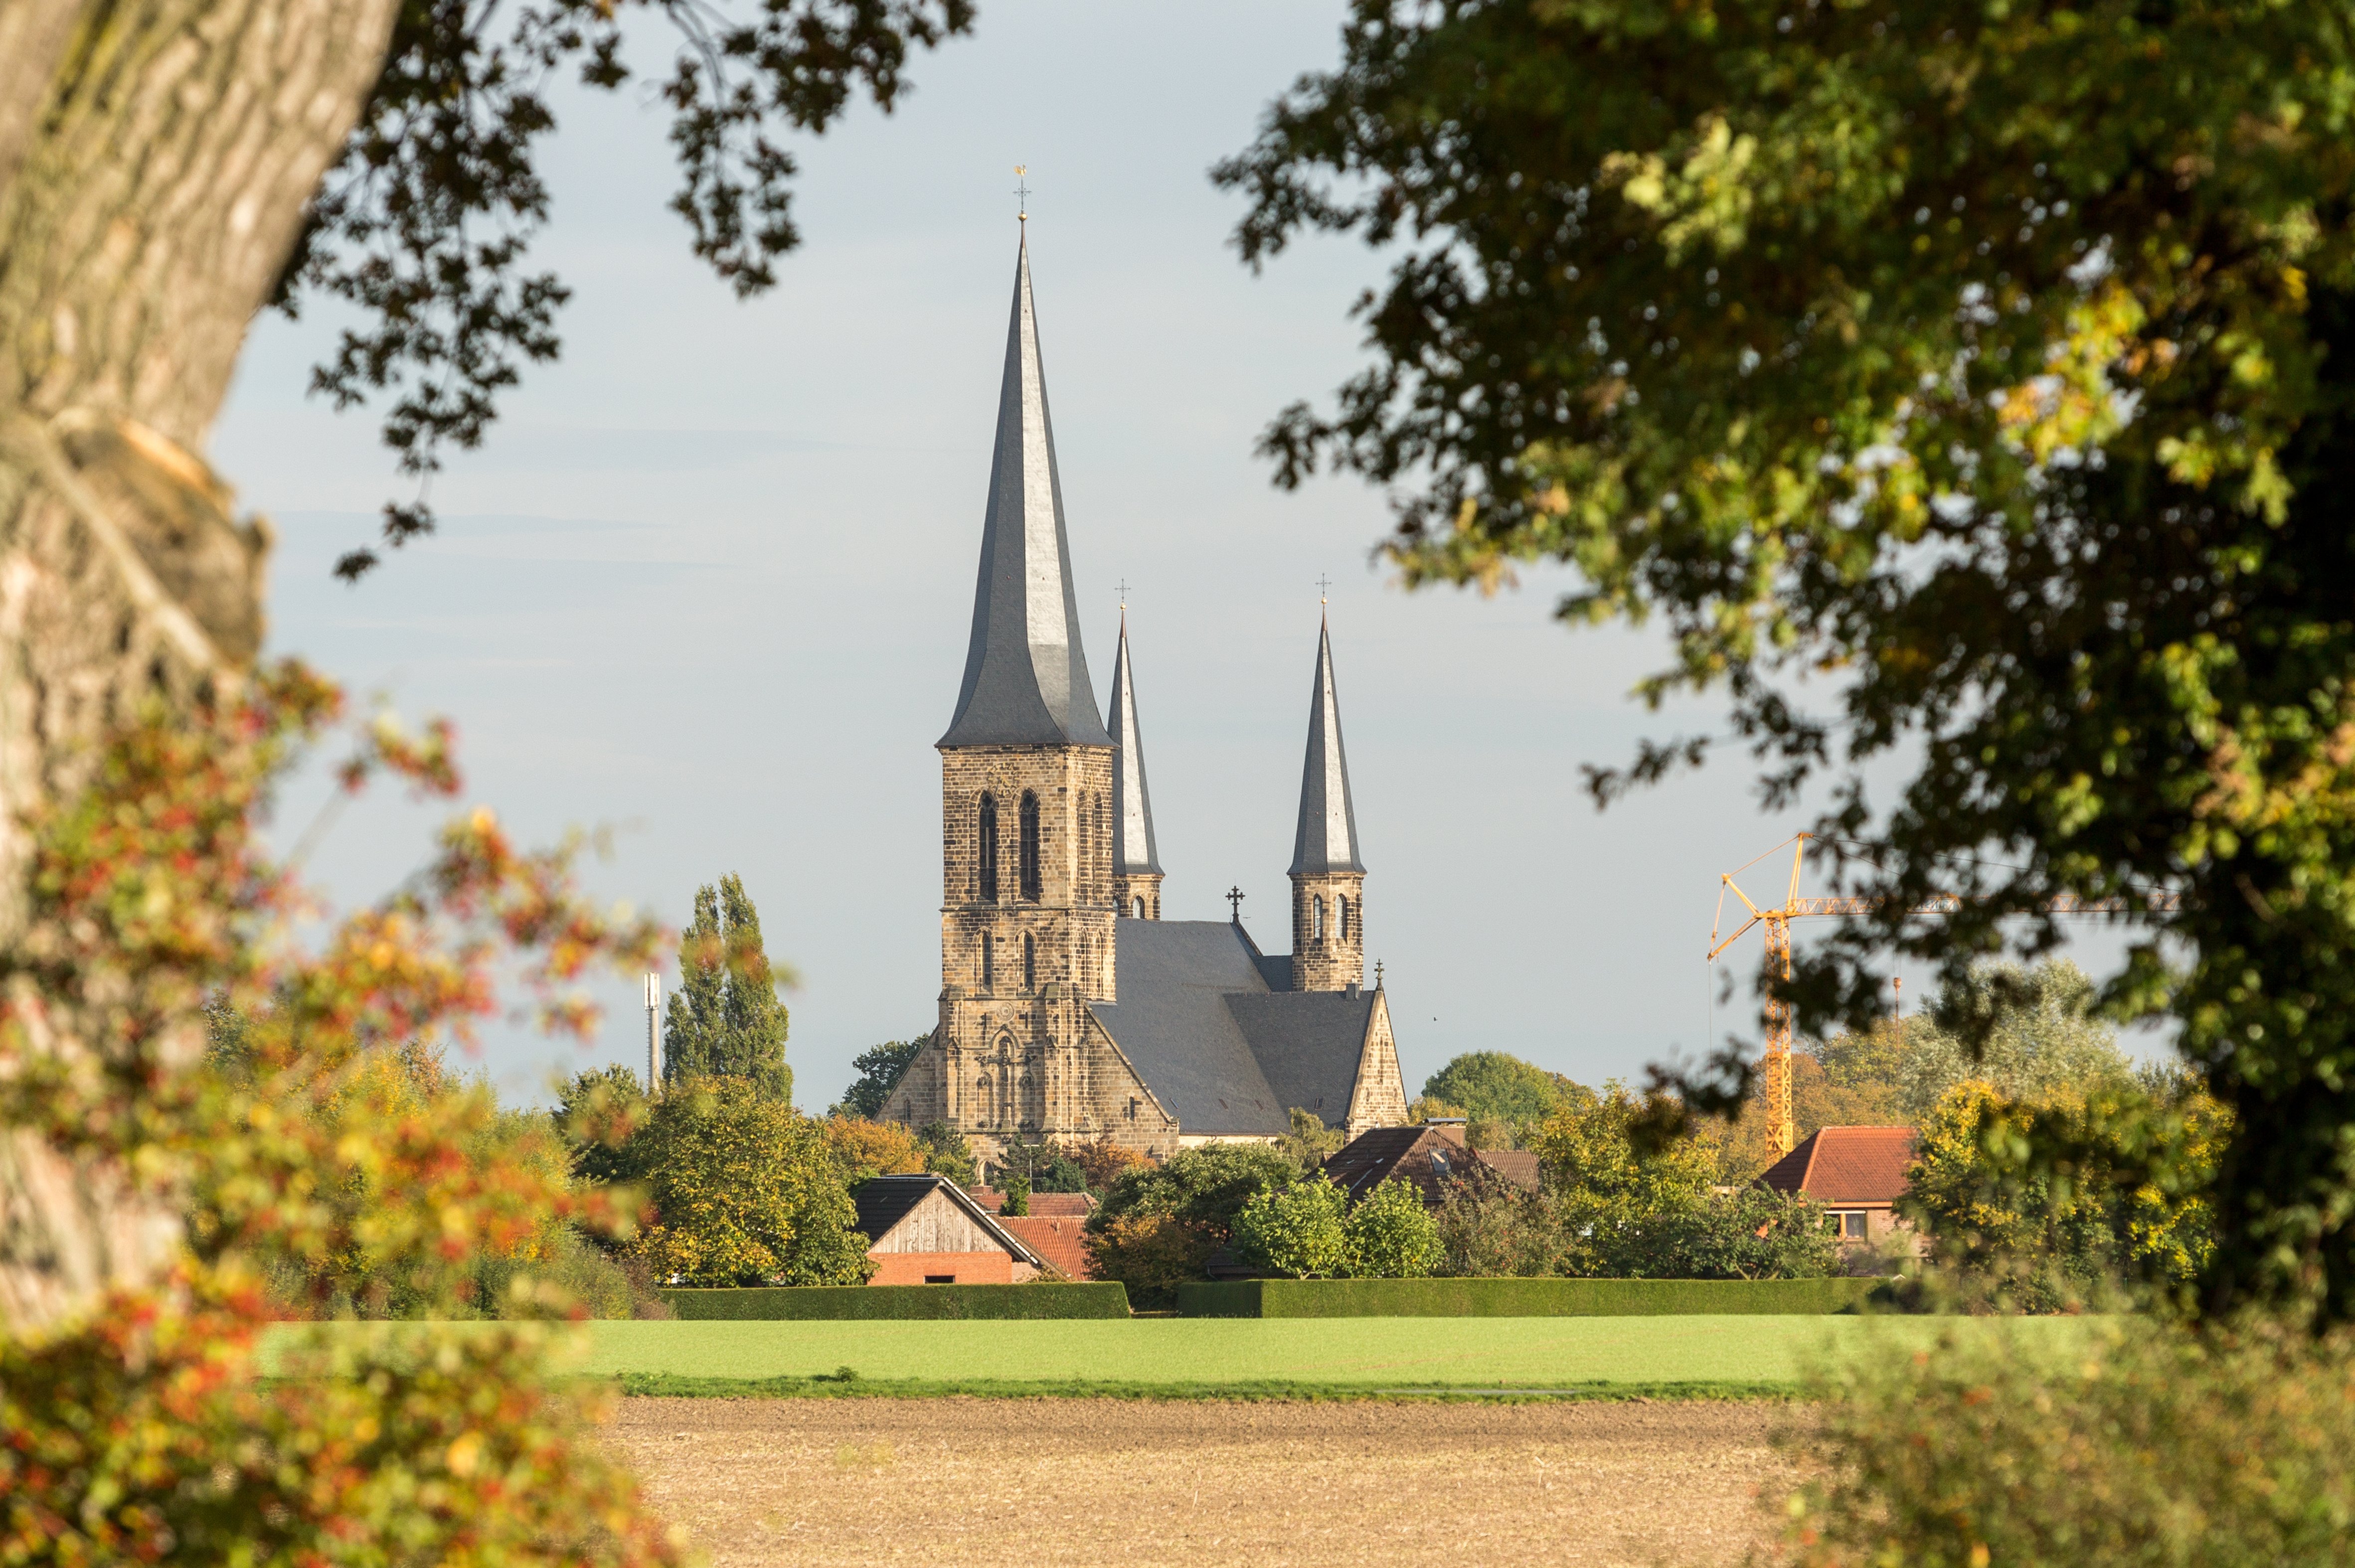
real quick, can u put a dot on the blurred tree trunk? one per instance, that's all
(155, 159)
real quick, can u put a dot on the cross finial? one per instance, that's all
(1324, 588)
(1377, 974)
(1124, 593)
(1022, 191)
(1234, 897)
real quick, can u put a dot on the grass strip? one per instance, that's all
(666, 1385)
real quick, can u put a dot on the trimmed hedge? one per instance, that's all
(810, 1302)
(1519, 1298)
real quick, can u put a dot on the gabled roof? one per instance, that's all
(1132, 847)
(1428, 1155)
(882, 1202)
(1173, 978)
(1327, 838)
(1026, 673)
(1308, 1043)
(1839, 1165)
(1062, 1205)
(1060, 1241)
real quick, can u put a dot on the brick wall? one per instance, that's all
(1332, 959)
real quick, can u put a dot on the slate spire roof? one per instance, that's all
(1131, 805)
(1328, 836)
(1026, 673)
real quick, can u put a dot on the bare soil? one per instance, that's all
(977, 1482)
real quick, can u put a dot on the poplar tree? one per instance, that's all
(725, 1021)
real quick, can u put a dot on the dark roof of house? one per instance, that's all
(1059, 1240)
(882, 1202)
(1133, 849)
(1217, 1047)
(1427, 1156)
(1845, 1165)
(1026, 673)
(1327, 838)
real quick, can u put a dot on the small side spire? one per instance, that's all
(1133, 849)
(1326, 840)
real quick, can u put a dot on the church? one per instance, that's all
(1069, 1008)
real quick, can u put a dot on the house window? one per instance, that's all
(1029, 847)
(988, 970)
(940, 1279)
(1316, 918)
(1029, 964)
(1341, 916)
(988, 840)
(1853, 1226)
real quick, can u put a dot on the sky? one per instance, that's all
(708, 582)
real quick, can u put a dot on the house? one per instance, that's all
(927, 1230)
(1427, 1155)
(1856, 1172)
(1055, 1228)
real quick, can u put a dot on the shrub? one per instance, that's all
(1206, 1186)
(1390, 1235)
(873, 1302)
(1296, 1230)
(1152, 1255)
(745, 1192)
(2148, 1444)
(1489, 1227)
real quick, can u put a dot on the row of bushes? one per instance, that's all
(1285, 1299)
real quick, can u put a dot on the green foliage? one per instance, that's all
(1152, 1255)
(1017, 1187)
(1295, 1229)
(1521, 1297)
(2149, 1445)
(946, 1153)
(1044, 1166)
(1998, 357)
(2047, 1205)
(863, 1148)
(724, 1021)
(1309, 1142)
(2030, 1033)
(1590, 1146)
(1207, 1186)
(1490, 1085)
(423, 225)
(745, 1192)
(870, 1302)
(597, 1113)
(1388, 1234)
(879, 1069)
(1497, 1229)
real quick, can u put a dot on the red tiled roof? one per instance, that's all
(1426, 1155)
(1847, 1165)
(1058, 1239)
(1066, 1204)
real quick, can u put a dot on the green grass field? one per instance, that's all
(1692, 1357)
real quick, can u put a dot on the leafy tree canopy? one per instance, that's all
(879, 1069)
(1492, 1085)
(1991, 362)
(424, 224)
(946, 1153)
(724, 1020)
(1204, 1187)
(746, 1192)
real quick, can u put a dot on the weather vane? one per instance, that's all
(1022, 192)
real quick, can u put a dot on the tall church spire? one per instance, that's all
(1026, 673)
(1328, 836)
(1136, 862)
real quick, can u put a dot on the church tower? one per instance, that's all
(1136, 865)
(1026, 799)
(1328, 879)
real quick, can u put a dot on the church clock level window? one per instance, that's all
(1029, 864)
(1341, 916)
(1316, 918)
(987, 843)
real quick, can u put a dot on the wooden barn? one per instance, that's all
(927, 1230)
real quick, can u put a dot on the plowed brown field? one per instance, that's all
(979, 1482)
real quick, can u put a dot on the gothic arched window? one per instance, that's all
(1140, 909)
(1342, 915)
(987, 978)
(986, 838)
(1030, 864)
(1316, 918)
(1030, 963)
(981, 1109)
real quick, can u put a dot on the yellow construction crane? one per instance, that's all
(1775, 1066)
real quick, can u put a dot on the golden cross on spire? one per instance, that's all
(1022, 191)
